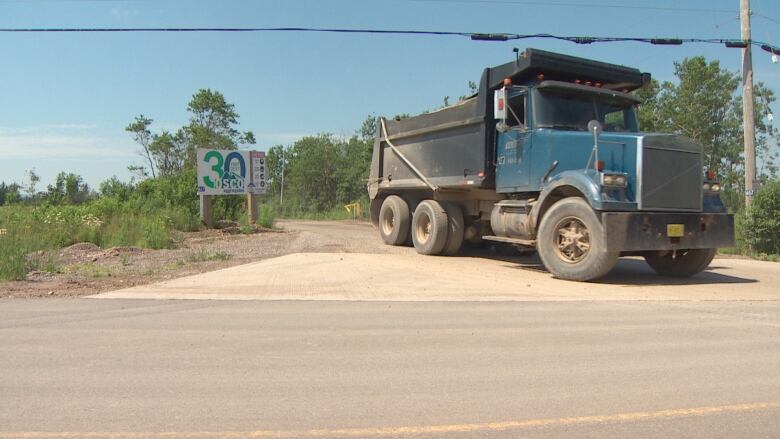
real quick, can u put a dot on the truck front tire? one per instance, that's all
(394, 220)
(683, 263)
(570, 242)
(429, 228)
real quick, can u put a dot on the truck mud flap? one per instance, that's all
(666, 231)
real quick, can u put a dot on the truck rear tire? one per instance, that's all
(685, 263)
(455, 227)
(429, 228)
(570, 242)
(394, 220)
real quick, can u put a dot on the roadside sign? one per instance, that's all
(226, 172)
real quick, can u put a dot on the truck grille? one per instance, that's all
(670, 173)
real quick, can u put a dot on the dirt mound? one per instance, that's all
(116, 251)
(81, 252)
(81, 247)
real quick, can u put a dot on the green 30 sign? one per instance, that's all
(224, 172)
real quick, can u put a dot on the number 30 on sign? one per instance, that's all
(226, 172)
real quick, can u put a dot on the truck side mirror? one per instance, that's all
(595, 127)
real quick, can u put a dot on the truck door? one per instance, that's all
(514, 148)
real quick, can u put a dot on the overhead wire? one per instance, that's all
(477, 36)
(582, 5)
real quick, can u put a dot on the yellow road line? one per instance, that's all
(409, 430)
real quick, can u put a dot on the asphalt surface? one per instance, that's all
(145, 368)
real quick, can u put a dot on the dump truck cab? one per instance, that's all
(549, 155)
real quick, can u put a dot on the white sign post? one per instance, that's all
(230, 172)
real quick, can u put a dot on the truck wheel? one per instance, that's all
(394, 220)
(683, 264)
(429, 228)
(570, 242)
(455, 227)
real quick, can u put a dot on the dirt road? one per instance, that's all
(347, 261)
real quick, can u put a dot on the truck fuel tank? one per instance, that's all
(509, 218)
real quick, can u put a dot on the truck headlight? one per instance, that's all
(614, 180)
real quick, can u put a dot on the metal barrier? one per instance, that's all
(355, 210)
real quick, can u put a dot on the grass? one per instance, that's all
(105, 222)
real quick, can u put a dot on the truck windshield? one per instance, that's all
(566, 110)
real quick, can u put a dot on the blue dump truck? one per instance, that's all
(548, 155)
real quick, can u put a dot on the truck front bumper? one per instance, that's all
(637, 231)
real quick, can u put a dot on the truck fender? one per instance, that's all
(565, 184)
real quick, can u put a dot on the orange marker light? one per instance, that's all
(540, 76)
(600, 165)
(711, 175)
(507, 82)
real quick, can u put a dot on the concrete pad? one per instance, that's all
(412, 277)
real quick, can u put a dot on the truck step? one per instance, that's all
(517, 205)
(518, 241)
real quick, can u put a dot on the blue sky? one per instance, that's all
(66, 98)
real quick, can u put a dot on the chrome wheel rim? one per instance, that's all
(571, 240)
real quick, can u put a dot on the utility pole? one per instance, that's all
(748, 114)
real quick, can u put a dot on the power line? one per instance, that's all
(580, 5)
(476, 36)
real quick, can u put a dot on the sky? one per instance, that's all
(66, 98)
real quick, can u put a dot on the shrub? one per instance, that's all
(762, 221)
(266, 216)
(155, 233)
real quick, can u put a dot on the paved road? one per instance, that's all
(138, 368)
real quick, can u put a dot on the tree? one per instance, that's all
(143, 136)
(274, 166)
(762, 220)
(311, 172)
(32, 182)
(114, 187)
(169, 152)
(68, 188)
(212, 124)
(10, 194)
(473, 89)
